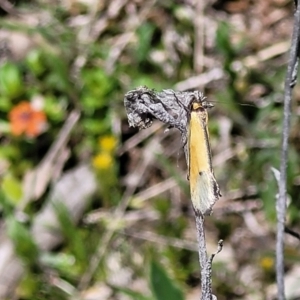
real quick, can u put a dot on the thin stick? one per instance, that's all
(172, 108)
(205, 262)
(281, 200)
(203, 259)
(292, 232)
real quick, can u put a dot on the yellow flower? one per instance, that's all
(267, 262)
(102, 161)
(108, 143)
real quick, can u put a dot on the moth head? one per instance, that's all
(207, 104)
(199, 101)
(201, 105)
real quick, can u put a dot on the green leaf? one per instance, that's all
(145, 33)
(97, 84)
(132, 294)
(10, 80)
(28, 286)
(59, 77)
(70, 232)
(5, 104)
(223, 40)
(91, 103)
(35, 63)
(9, 151)
(12, 188)
(61, 261)
(268, 198)
(96, 126)
(4, 127)
(162, 285)
(55, 107)
(56, 81)
(24, 244)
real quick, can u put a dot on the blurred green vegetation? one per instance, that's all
(69, 66)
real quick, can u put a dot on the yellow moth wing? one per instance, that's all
(204, 188)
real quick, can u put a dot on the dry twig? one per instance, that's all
(172, 108)
(290, 81)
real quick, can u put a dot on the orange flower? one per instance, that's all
(24, 119)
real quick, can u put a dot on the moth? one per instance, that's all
(203, 185)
